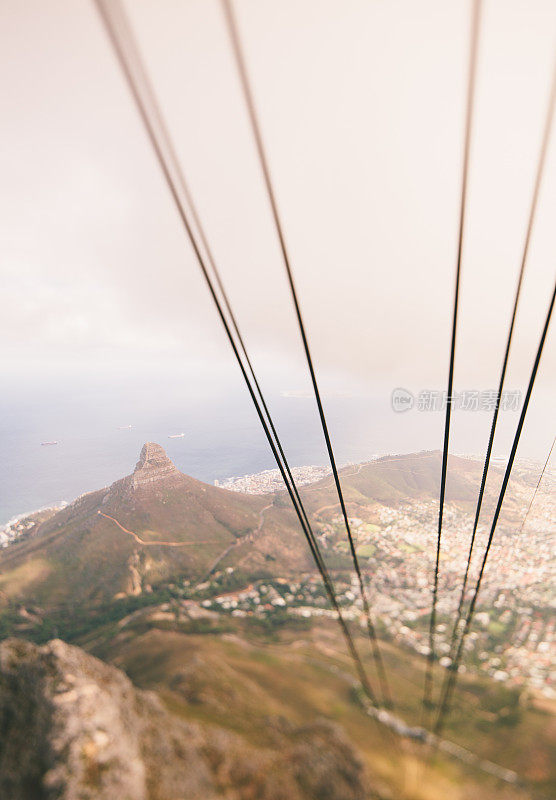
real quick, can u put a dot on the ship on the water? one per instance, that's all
(176, 435)
(125, 427)
(47, 444)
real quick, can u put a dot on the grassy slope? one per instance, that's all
(242, 682)
(77, 557)
(395, 479)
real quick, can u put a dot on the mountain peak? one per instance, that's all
(153, 465)
(152, 452)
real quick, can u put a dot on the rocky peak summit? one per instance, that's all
(153, 465)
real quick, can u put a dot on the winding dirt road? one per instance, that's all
(153, 544)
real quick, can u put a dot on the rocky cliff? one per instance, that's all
(74, 728)
(153, 466)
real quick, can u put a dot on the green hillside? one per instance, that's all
(145, 574)
(158, 525)
(260, 685)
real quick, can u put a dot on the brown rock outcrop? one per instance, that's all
(75, 728)
(153, 466)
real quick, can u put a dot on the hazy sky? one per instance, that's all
(362, 109)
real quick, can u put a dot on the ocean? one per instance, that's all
(222, 434)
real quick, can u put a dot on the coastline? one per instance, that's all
(15, 527)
